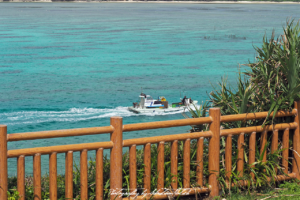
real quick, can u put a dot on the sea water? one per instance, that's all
(75, 65)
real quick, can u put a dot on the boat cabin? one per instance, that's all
(146, 101)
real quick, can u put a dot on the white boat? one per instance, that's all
(149, 105)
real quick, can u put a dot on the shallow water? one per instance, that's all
(69, 65)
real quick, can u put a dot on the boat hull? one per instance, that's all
(159, 110)
(155, 110)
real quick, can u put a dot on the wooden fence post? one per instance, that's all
(37, 182)
(214, 151)
(296, 142)
(53, 176)
(116, 158)
(147, 168)
(69, 175)
(21, 177)
(3, 162)
(99, 174)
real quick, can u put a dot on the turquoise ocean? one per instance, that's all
(74, 65)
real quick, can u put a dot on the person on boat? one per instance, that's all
(183, 100)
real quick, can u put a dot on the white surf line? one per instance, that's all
(71, 115)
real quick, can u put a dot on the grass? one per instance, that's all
(288, 190)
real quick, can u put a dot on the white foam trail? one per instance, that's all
(71, 115)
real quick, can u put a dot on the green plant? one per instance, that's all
(197, 112)
(255, 177)
(276, 72)
(271, 83)
(13, 194)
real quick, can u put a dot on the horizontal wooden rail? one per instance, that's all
(178, 192)
(276, 178)
(166, 124)
(166, 138)
(247, 130)
(284, 177)
(59, 149)
(259, 115)
(59, 133)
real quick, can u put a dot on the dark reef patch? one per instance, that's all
(58, 57)
(192, 67)
(5, 66)
(191, 8)
(149, 65)
(45, 47)
(179, 54)
(11, 72)
(27, 7)
(101, 71)
(21, 41)
(18, 54)
(26, 36)
(227, 51)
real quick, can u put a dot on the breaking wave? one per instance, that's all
(71, 115)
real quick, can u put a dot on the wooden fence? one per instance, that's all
(117, 143)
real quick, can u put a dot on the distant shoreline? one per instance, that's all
(132, 1)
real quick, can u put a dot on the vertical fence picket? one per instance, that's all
(228, 158)
(214, 151)
(186, 163)
(263, 143)
(3, 162)
(21, 177)
(252, 145)
(174, 164)
(53, 175)
(160, 166)
(116, 158)
(83, 175)
(37, 177)
(99, 174)
(132, 170)
(66, 175)
(199, 161)
(285, 152)
(274, 145)
(240, 160)
(69, 175)
(147, 168)
(296, 143)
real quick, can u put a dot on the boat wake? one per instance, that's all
(71, 115)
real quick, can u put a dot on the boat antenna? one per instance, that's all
(141, 89)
